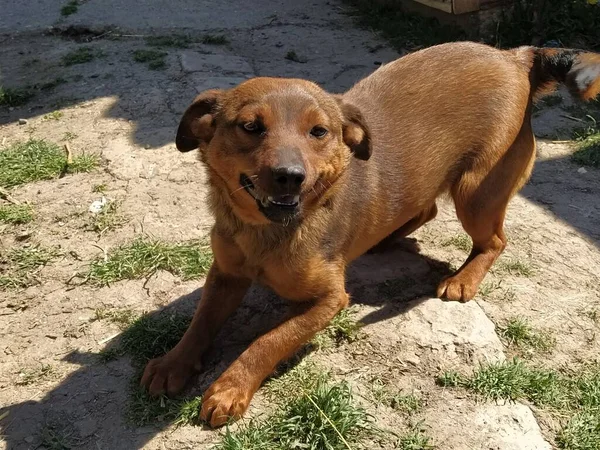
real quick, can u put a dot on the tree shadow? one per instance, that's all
(93, 400)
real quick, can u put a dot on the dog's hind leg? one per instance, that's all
(407, 229)
(481, 196)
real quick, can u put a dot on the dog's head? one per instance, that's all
(274, 147)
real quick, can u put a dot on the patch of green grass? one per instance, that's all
(99, 188)
(68, 136)
(405, 403)
(37, 159)
(322, 417)
(54, 115)
(515, 267)
(155, 59)
(173, 40)
(150, 336)
(459, 241)
(214, 39)
(12, 97)
(55, 439)
(582, 432)
(575, 395)
(588, 151)
(293, 56)
(343, 328)
(143, 257)
(108, 219)
(20, 265)
(145, 410)
(415, 439)
(123, 318)
(69, 8)
(16, 214)
(302, 377)
(81, 55)
(518, 332)
(30, 376)
(404, 30)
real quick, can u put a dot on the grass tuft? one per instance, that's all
(155, 59)
(459, 241)
(322, 417)
(27, 377)
(16, 214)
(145, 410)
(37, 159)
(69, 8)
(588, 151)
(81, 55)
(21, 264)
(12, 97)
(518, 332)
(123, 318)
(174, 40)
(108, 219)
(515, 267)
(415, 439)
(142, 258)
(405, 403)
(343, 328)
(293, 56)
(54, 115)
(214, 39)
(575, 395)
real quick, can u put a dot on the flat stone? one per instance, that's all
(439, 335)
(460, 425)
(223, 64)
(203, 83)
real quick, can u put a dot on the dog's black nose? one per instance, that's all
(288, 177)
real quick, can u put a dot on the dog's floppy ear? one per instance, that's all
(356, 131)
(197, 124)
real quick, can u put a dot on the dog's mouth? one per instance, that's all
(277, 208)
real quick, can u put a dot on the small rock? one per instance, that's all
(29, 439)
(22, 121)
(581, 170)
(97, 205)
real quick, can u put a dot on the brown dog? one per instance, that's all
(302, 182)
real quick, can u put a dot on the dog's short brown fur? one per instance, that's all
(453, 118)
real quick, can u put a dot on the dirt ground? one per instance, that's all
(117, 108)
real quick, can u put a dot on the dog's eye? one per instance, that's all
(318, 131)
(252, 127)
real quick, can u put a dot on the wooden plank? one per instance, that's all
(443, 5)
(465, 6)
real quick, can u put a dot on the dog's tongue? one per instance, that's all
(288, 200)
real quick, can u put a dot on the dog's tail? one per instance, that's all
(577, 69)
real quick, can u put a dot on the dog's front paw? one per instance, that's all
(458, 288)
(227, 398)
(167, 374)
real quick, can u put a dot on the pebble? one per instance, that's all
(22, 121)
(581, 170)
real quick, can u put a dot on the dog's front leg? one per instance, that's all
(230, 395)
(221, 296)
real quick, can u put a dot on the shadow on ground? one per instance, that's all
(391, 280)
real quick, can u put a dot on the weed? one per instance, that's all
(99, 188)
(588, 151)
(155, 59)
(302, 377)
(35, 160)
(150, 336)
(293, 56)
(16, 214)
(108, 219)
(488, 288)
(582, 432)
(460, 241)
(518, 332)
(53, 439)
(142, 258)
(69, 8)
(144, 409)
(322, 417)
(21, 264)
(54, 115)
(342, 328)
(12, 97)
(415, 439)
(515, 267)
(121, 317)
(69, 136)
(81, 55)
(27, 377)
(214, 39)
(175, 40)
(405, 403)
